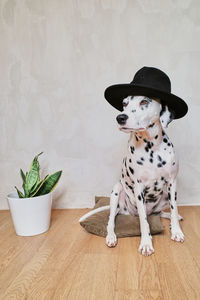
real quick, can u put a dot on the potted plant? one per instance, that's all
(31, 209)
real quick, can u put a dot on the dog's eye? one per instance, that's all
(143, 102)
(124, 104)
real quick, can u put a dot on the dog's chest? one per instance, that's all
(150, 164)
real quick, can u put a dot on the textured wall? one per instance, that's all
(57, 57)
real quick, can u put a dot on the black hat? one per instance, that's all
(150, 82)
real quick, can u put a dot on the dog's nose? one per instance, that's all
(121, 119)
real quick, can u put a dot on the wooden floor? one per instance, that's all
(68, 263)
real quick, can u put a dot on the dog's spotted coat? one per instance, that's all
(147, 156)
(148, 178)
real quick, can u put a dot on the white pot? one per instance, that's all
(31, 216)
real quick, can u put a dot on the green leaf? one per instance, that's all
(32, 177)
(48, 184)
(23, 176)
(26, 192)
(20, 194)
(37, 187)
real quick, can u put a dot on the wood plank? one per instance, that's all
(68, 263)
(134, 270)
(101, 285)
(138, 295)
(24, 266)
(176, 265)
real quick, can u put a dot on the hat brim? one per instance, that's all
(114, 94)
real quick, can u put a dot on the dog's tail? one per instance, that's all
(167, 215)
(94, 211)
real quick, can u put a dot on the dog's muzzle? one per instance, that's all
(121, 119)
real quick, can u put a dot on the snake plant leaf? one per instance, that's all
(32, 176)
(20, 194)
(37, 187)
(23, 176)
(48, 184)
(25, 188)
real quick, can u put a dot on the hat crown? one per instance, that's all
(152, 78)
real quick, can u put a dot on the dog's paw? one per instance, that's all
(146, 248)
(177, 235)
(111, 240)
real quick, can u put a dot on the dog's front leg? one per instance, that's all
(146, 247)
(111, 239)
(176, 232)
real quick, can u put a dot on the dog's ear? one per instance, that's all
(166, 116)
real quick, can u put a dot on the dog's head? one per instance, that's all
(140, 112)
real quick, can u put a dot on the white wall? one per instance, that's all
(56, 59)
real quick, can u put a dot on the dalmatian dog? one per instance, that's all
(148, 179)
